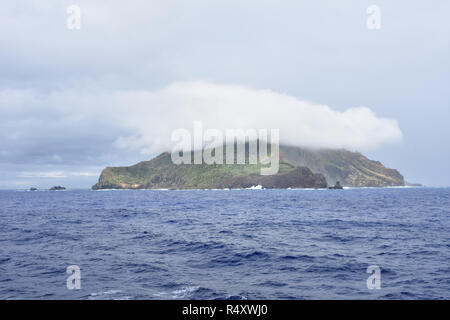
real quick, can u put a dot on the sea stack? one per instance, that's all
(57, 188)
(337, 186)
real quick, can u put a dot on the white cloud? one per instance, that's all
(50, 174)
(314, 50)
(84, 174)
(71, 121)
(56, 174)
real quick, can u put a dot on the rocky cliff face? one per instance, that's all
(299, 168)
(296, 178)
(352, 169)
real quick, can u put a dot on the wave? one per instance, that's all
(258, 187)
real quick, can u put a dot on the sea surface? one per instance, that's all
(219, 244)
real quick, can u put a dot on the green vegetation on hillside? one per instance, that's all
(350, 168)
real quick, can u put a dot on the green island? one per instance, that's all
(298, 168)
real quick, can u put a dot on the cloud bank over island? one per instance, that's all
(86, 126)
(111, 92)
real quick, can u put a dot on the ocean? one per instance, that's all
(226, 244)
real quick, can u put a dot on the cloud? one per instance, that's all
(79, 126)
(51, 174)
(56, 174)
(67, 97)
(155, 114)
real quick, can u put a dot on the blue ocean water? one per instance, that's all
(237, 244)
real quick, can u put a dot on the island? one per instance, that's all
(298, 168)
(57, 188)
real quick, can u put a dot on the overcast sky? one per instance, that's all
(73, 101)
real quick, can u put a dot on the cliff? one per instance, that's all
(299, 168)
(352, 169)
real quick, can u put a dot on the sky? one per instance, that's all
(73, 101)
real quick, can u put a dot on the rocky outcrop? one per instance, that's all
(57, 188)
(296, 178)
(337, 186)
